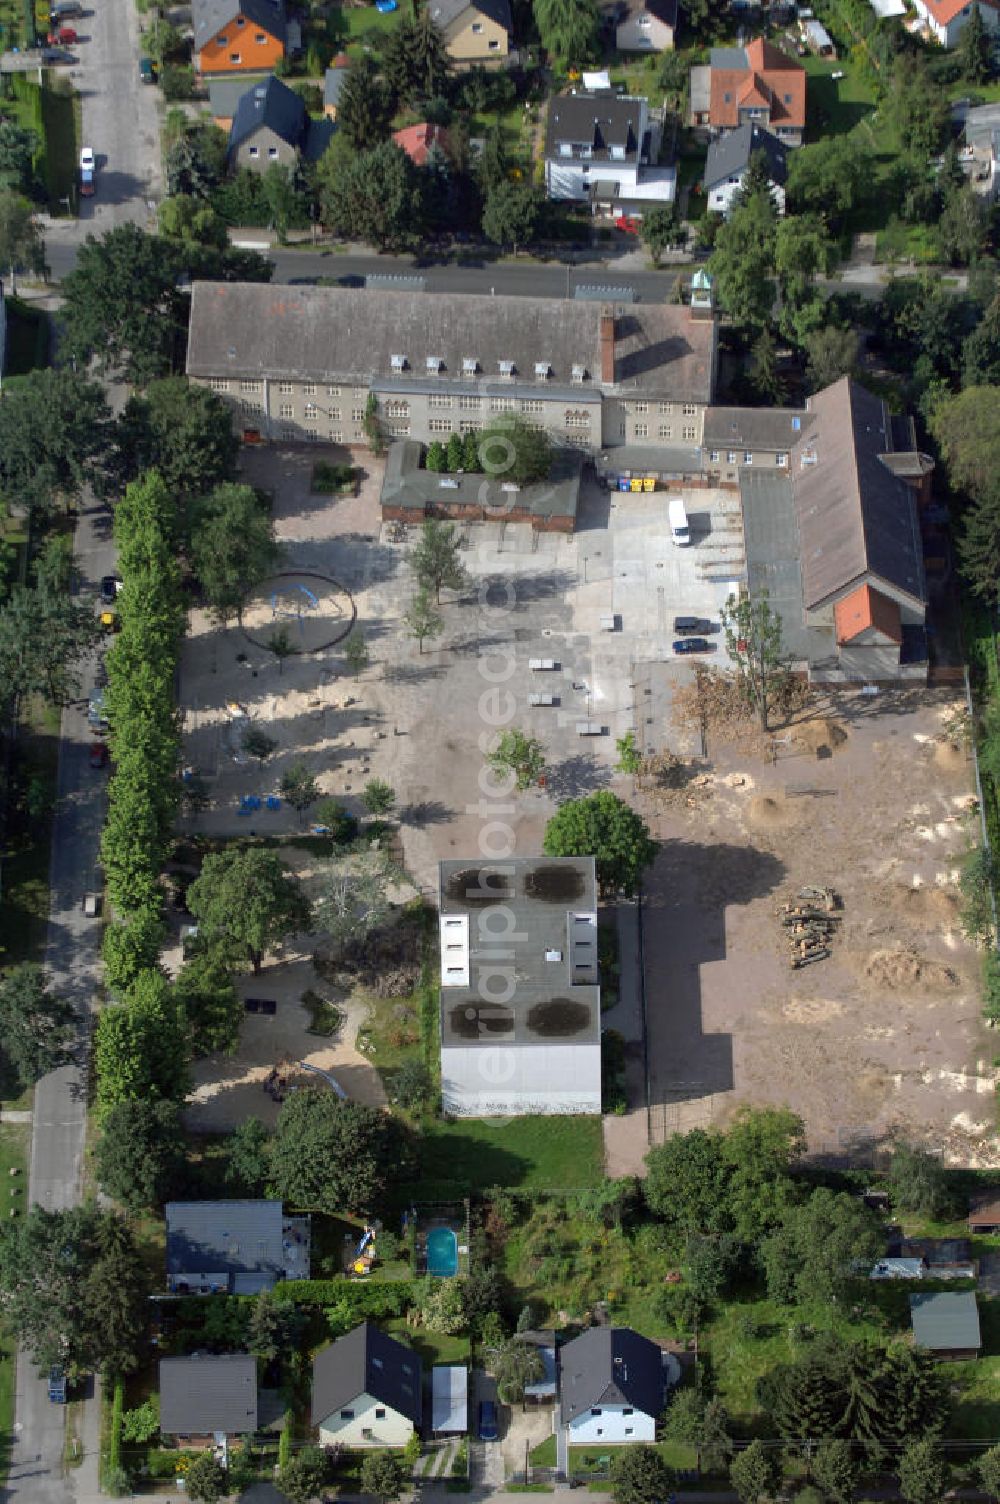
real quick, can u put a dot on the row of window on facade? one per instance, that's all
(285, 388)
(733, 457)
(441, 401)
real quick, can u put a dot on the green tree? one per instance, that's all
(511, 214)
(54, 429)
(471, 462)
(709, 1265)
(121, 306)
(21, 246)
(140, 1158)
(742, 262)
(232, 547)
(436, 561)
(988, 1468)
(248, 1163)
(256, 743)
(333, 1155)
(918, 1184)
(829, 178)
(492, 166)
(341, 825)
(274, 1328)
(703, 1425)
(374, 197)
(570, 30)
(378, 797)
(923, 1473)
(753, 641)
(819, 1246)
(981, 349)
(662, 228)
(191, 222)
(415, 60)
(629, 756)
(977, 884)
(835, 1471)
(141, 1046)
(365, 108)
(205, 1480)
(383, 1474)
(454, 454)
(18, 146)
(974, 52)
(514, 451)
(356, 653)
(515, 1366)
(436, 460)
(921, 108)
(803, 252)
(639, 1475)
(412, 1087)
(765, 376)
(755, 1473)
(299, 788)
(520, 756)
(37, 1028)
(831, 352)
(422, 619)
(603, 826)
(761, 1145)
(195, 161)
(44, 636)
(185, 433)
(246, 899)
(141, 1425)
(687, 1181)
(205, 992)
(353, 894)
(132, 947)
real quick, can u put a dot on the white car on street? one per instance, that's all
(87, 159)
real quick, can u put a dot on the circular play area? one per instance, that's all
(309, 611)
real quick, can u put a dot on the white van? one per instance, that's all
(678, 518)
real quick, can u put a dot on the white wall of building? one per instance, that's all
(949, 33)
(721, 196)
(615, 1424)
(387, 1427)
(496, 1081)
(571, 178)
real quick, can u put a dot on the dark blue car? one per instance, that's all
(693, 645)
(488, 1421)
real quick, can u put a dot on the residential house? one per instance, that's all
(980, 157)
(334, 80)
(832, 532)
(233, 1247)
(757, 84)
(984, 1213)
(946, 1323)
(602, 148)
(271, 127)
(449, 1399)
(299, 363)
(366, 1390)
(547, 1019)
(238, 36)
(208, 1398)
(417, 140)
(612, 1387)
(477, 33)
(411, 493)
(944, 20)
(224, 94)
(645, 25)
(729, 158)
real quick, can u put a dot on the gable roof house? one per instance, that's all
(233, 1247)
(417, 140)
(611, 1387)
(946, 1322)
(602, 147)
(238, 36)
(945, 20)
(746, 85)
(477, 33)
(366, 1390)
(271, 125)
(645, 25)
(208, 1396)
(729, 158)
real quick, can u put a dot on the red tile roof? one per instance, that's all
(771, 80)
(944, 11)
(865, 608)
(417, 140)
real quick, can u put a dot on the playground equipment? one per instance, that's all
(292, 602)
(364, 1254)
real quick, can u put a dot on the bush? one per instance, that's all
(328, 478)
(177, 82)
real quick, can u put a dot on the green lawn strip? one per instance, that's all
(836, 105)
(431, 1347)
(544, 1153)
(976, 1411)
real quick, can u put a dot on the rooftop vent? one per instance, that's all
(553, 955)
(470, 365)
(398, 362)
(448, 483)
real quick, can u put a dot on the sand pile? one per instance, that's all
(818, 733)
(927, 903)
(950, 757)
(901, 970)
(770, 811)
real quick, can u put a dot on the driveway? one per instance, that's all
(527, 1427)
(486, 1458)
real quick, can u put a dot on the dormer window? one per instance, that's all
(618, 153)
(542, 370)
(565, 148)
(506, 367)
(435, 364)
(470, 365)
(398, 362)
(579, 373)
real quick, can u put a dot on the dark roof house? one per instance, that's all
(605, 125)
(729, 156)
(237, 1246)
(984, 1212)
(366, 1361)
(208, 1394)
(610, 1366)
(272, 112)
(946, 1323)
(410, 493)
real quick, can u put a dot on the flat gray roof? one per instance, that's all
(224, 1237)
(407, 485)
(777, 428)
(554, 998)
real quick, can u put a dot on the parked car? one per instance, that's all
(91, 905)
(692, 626)
(694, 645)
(87, 163)
(110, 586)
(64, 10)
(57, 1385)
(62, 34)
(147, 72)
(98, 754)
(86, 183)
(56, 57)
(488, 1421)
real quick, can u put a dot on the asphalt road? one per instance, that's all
(58, 1127)
(119, 116)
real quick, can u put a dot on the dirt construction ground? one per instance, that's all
(883, 1037)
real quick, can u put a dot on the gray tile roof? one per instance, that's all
(407, 485)
(208, 1393)
(610, 1366)
(224, 1237)
(366, 1361)
(557, 997)
(729, 155)
(270, 105)
(776, 428)
(945, 1320)
(770, 533)
(855, 516)
(333, 84)
(208, 17)
(444, 12)
(728, 57)
(598, 121)
(338, 334)
(224, 94)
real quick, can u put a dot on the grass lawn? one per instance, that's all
(27, 338)
(431, 1347)
(836, 105)
(61, 119)
(547, 1153)
(544, 1455)
(977, 1411)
